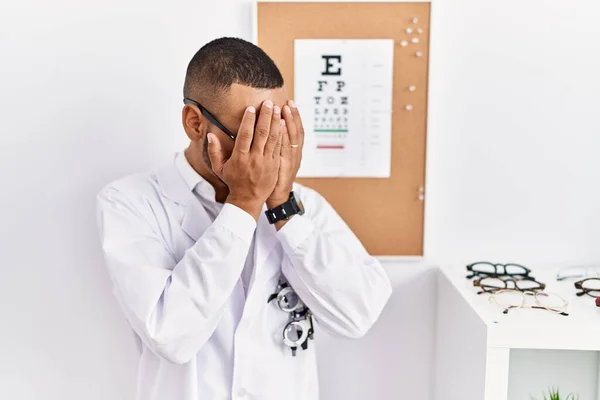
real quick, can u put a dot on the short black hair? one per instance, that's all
(225, 61)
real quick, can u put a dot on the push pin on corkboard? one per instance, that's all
(404, 43)
(419, 53)
(409, 107)
(409, 30)
(412, 88)
(415, 20)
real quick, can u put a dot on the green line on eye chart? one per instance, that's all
(332, 130)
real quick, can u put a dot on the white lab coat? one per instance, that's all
(176, 276)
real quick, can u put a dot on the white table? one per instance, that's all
(474, 337)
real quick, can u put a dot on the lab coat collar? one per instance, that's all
(195, 182)
(196, 220)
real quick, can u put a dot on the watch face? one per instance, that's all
(298, 203)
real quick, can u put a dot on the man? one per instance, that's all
(194, 258)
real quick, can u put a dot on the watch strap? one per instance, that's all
(283, 212)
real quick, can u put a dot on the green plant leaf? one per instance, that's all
(554, 394)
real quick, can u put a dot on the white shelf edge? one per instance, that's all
(540, 331)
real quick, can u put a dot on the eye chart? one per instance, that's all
(343, 89)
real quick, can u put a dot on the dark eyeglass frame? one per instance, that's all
(579, 285)
(499, 270)
(493, 289)
(210, 117)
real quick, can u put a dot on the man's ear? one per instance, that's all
(193, 122)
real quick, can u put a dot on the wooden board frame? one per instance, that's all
(386, 214)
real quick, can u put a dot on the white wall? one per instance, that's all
(513, 144)
(514, 134)
(89, 91)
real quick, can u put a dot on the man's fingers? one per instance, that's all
(263, 126)
(291, 125)
(274, 132)
(277, 149)
(298, 121)
(243, 140)
(286, 149)
(215, 152)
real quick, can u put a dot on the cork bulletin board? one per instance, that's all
(385, 213)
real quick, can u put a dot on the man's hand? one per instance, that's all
(252, 170)
(293, 134)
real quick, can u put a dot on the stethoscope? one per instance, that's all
(299, 328)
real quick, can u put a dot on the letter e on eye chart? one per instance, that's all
(344, 91)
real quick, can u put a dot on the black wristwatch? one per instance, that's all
(287, 210)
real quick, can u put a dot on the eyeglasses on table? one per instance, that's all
(509, 299)
(578, 272)
(485, 268)
(492, 284)
(589, 286)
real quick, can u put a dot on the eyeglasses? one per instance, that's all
(510, 298)
(484, 268)
(491, 284)
(589, 286)
(299, 328)
(210, 117)
(582, 271)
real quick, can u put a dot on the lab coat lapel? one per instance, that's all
(195, 219)
(265, 240)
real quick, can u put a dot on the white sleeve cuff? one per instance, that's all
(237, 221)
(295, 232)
